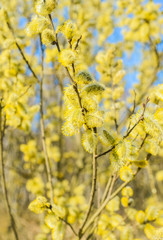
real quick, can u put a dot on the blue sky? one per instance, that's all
(129, 62)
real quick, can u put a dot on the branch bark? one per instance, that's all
(43, 138)
(92, 195)
(4, 186)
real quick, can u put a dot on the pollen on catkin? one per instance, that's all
(68, 28)
(67, 57)
(94, 88)
(45, 7)
(37, 25)
(83, 77)
(48, 36)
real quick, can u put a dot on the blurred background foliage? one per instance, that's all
(121, 46)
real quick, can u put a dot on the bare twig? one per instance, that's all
(68, 224)
(134, 105)
(153, 79)
(142, 144)
(107, 192)
(92, 195)
(21, 52)
(2, 132)
(24, 92)
(47, 162)
(109, 197)
(77, 43)
(107, 189)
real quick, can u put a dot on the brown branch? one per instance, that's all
(43, 138)
(60, 127)
(4, 186)
(21, 52)
(92, 195)
(107, 192)
(94, 163)
(134, 105)
(77, 43)
(150, 82)
(104, 153)
(68, 224)
(68, 73)
(142, 144)
(26, 61)
(24, 92)
(129, 131)
(109, 197)
(106, 189)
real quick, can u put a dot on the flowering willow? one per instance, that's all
(81, 147)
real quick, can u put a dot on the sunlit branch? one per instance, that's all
(92, 195)
(3, 179)
(129, 130)
(109, 197)
(47, 161)
(22, 53)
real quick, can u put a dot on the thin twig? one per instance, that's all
(106, 189)
(68, 73)
(94, 175)
(92, 195)
(60, 127)
(129, 131)
(107, 198)
(65, 221)
(110, 197)
(43, 138)
(77, 43)
(142, 144)
(4, 186)
(104, 153)
(153, 79)
(68, 224)
(24, 92)
(107, 192)
(134, 105)
(21, 52)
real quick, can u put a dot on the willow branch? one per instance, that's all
(107, 193)
(106, 189)
(129, 130)
(65, 221)
(68, 224)
(109, 197)
(153, 79)
(77, 43)
(60, 127)
(94, 162)
(92, 195)
(4, 186)
(43, 138)
(22, 53)
(66, 68)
